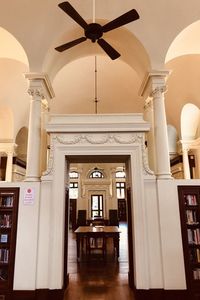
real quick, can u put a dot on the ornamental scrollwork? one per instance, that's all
(36, 92)
(50, 166)
(70, 139)
(158, 91)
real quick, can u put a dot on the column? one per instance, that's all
(39, 89)
(154, 86)
(186, 166)
(160, 131)
(148, 116)
(9, 165)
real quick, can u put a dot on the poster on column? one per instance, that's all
(29, 196)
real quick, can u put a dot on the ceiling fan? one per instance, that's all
(95, 31)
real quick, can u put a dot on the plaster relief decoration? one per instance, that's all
(111, 138)
(107, 138)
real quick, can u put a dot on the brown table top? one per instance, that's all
(106, 229)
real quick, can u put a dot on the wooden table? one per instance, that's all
(85, 232)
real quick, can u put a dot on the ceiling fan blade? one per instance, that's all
(126, 18)
(70, 44)
(108, 49)
(68, 9)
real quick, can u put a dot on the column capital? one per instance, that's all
(155, 80)
(40, 85)
(158, 91)
(36, 92)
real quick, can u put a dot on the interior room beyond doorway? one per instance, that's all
(97, 186)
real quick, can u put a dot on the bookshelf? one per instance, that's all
(189, 204)
(9, 198)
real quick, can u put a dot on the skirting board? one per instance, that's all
(160, 294)
(153, 294)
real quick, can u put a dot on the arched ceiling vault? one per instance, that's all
(40, 26)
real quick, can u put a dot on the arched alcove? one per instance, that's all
(131, 49)
(22, 141)
(190, 117)
(117, 87)
(183, 59)
(172, 138)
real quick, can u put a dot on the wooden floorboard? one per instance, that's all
(97, 278)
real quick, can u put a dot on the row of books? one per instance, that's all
(6, 201)
(191, 216)
(3, 274)
(3, 238)
(195, 255)
(194, 236)
(4, 254)
(5, 221)
(190, 199)
(196, 274)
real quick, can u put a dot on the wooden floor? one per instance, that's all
(99, 279)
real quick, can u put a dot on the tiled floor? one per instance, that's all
(99, 279)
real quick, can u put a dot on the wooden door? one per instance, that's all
(122, 210)
(72, 214)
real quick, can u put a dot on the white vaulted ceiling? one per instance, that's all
(165, 37)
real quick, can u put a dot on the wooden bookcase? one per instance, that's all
(189, 203)
(9, 198)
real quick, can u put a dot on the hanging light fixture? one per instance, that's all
(95, 86)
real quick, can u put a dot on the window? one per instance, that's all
(120, 174)
(73, 174)
(96, 205)
(96, 174)
(73, 190)
(120, 186)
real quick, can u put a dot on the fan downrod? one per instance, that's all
(94, 32)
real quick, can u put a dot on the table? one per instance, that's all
(85, 232)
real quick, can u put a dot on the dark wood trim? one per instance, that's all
(7, 285)
(130, 241)
(152, 294)
(176, 160)
(67, 204)
(161, 294)
(19, 162)
(42, 294)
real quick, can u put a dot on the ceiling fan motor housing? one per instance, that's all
(94, 32)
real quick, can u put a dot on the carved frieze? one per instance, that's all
(134, 138)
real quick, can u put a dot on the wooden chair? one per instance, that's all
(81, 220)
(96, 244)
(113, 217)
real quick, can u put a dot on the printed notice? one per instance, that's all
(29, 196)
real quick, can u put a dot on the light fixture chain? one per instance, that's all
(93, 12)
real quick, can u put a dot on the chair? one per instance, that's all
(81, 220)
(98, 221)
(96, 245)
(113, 217)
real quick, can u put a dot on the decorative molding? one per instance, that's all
(154, 77)
(50, 166)
(146, 169)
(158, 91)
(36, 92)
(41, 78)
(136, 138)
(97, 138)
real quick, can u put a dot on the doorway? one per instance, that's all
(97, 206)
(93, 138)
